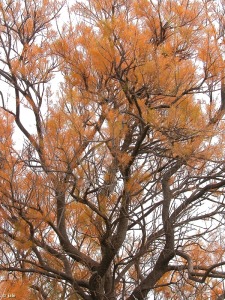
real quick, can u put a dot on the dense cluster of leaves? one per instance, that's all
(117, 190)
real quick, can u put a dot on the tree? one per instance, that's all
(117, 190)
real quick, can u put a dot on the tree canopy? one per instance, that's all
(116, 190)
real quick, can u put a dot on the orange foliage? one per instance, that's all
(124, 161)
(15, 289)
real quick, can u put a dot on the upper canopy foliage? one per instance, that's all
(117, 191)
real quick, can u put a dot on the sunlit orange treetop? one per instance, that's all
(116, 188)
